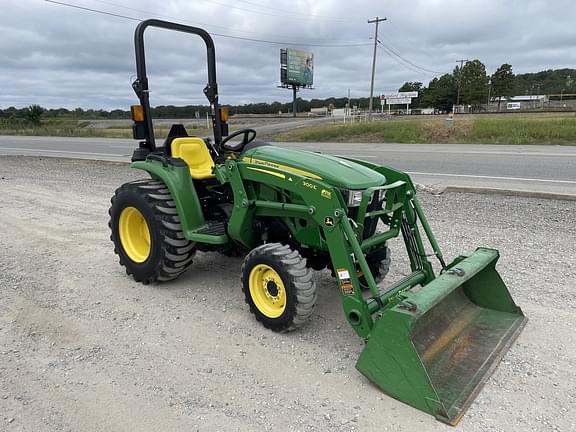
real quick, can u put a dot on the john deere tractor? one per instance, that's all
(431, 339)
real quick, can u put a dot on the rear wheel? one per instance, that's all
(278, 286)
(147, 233)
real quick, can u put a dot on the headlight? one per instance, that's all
(354, 198)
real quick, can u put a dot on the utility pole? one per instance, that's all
(349, 111)
(460, 79)
(373, 21)
(489, 89)
(294, 107)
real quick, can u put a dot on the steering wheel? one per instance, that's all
(249, 135)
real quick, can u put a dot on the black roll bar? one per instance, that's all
(141, 89)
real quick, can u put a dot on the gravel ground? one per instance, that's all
(85, 348)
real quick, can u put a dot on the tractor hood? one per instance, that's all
(331, 169)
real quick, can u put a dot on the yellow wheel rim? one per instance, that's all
(134, 234)
(267, 290)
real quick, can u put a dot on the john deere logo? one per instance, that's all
(326, 194)
(328, 221)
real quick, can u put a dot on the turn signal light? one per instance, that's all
(137, 113)
(224, 114)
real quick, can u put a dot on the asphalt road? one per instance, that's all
(525, 169)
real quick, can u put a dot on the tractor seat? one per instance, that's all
(194, 152)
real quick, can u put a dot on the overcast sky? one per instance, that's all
(59, 56)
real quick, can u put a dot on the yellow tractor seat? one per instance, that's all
(194, 152)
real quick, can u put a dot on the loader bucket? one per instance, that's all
(435, 349)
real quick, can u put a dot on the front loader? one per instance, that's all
(431, 339)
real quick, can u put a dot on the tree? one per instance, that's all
(503, 82)
(441, 93)
(473, 82)
(34, 114)
(413, 86)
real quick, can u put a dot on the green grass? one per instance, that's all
(546, 128)
(75, 128)
(393, 131)
(486, 129)
(524, 131)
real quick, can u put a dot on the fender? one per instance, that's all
(177, 179)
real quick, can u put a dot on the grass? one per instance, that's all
(545, 128)
(485, 129)
(395, 131)
(75, 128)
(525, 131)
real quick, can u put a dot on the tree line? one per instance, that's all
(469, 84)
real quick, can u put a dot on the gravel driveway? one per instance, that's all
(85, 348)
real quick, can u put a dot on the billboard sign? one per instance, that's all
(396, 95)
(297, 67)
(398, 101)
(398, 98)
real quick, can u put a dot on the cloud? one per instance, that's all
(58, 56)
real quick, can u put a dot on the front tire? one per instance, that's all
(278, 287)
(147, 233)
(379, 263)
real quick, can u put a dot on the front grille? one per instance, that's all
(370, 223)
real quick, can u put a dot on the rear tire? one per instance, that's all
(147, 233)
(278, 287)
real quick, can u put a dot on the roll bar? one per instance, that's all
(140, 85)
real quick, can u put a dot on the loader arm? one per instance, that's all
(342, 235)
(432, 348)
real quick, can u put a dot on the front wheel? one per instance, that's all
(278, 286)
(147, 233)
(379, 263)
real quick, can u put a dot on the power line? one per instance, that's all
(399, 61)
(212, 25)
(406, 65)
(313, 16)
(408, 61)
(92, 10)
(165, 16)
(287, 15)
(272, 42)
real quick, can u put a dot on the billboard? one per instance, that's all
(296, 67)
(398, 98)
(398, 101)
(397, 95)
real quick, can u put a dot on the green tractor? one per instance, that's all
(431, 339)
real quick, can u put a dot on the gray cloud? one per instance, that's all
(58, 56)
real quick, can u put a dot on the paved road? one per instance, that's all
(541, 169)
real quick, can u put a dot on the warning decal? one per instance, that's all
(345, 282)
